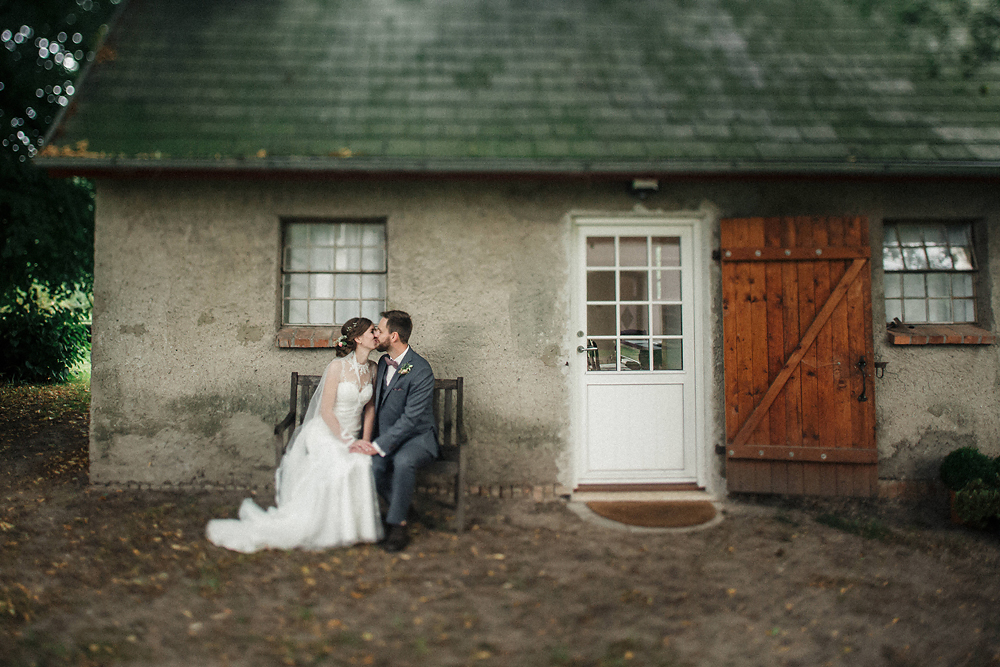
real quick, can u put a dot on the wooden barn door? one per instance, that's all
(800, 409)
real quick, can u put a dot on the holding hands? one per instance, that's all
(362, 447)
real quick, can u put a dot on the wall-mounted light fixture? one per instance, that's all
(645, 186)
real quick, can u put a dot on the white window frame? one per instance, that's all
(332, 269)
(930, 271)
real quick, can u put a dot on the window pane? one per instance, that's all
(668, 355)
(633, 251)
(600, 251)
(296, 259)
(348, 259)
(604, 358)
(373, 287)
(372, 310)
(959, 235)
(666, 285)
(633, 286)
(297, 234)
(961, 284)
(297, 285)
(297, 312)
(965, 310)
(373, 236)
(666, 251)
(322, 259)
(346, 310)
(633, 319)
(962, 259)
(890, 236)
(666, 320)
(635, 355)
(934, 235)
(892, 259)
(938, 285)
(909, 235)
(321, 286)
(600, 320)
(322, 234)
(348, 287)
(938, 258)
(321, 312)
(350, 235)
(372, 259)
(893, 309)
(914, 310)
(939, 310)
(600, 286)
(893, 286)
(913, 285)
(914, 259)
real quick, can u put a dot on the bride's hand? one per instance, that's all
(362, 447)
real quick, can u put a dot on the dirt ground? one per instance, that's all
(102, 577)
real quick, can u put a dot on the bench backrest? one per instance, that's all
(448, 401)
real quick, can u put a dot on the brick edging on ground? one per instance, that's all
(888, 489)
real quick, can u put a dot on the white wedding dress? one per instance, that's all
(325, 495)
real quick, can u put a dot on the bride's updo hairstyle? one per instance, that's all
(352, 328)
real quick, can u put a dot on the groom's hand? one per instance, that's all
(362, 447)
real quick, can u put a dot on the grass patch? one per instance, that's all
(870, 529)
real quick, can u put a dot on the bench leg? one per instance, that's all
(460, 497)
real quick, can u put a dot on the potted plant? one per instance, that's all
(973, 482)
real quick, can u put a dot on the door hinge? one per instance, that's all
(720, 450)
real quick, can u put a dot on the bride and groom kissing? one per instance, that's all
(368, 429)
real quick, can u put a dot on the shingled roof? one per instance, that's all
(564, 86)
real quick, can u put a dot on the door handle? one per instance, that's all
(581, 348)
(862, 365)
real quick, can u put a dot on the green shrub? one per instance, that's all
(977, 503)
(966, 464)
(41, 344)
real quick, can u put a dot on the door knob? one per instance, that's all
(581, 348)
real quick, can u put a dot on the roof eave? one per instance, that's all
(278, 167)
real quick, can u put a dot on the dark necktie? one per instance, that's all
(392, 362)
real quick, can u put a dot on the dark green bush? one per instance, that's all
(977, 503)
(41, 344)
(966, 464)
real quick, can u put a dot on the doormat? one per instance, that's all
(656, 514)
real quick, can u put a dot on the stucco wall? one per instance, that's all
(187, 382)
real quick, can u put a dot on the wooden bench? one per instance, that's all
(447, 417)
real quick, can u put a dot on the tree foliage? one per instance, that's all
(46, 225)
(955, 38)
(46, 45)
(46, 271)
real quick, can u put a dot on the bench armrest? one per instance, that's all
(284, 423)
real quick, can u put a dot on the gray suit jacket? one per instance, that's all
(404, 409)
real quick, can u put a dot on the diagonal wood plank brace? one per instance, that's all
(759, 412)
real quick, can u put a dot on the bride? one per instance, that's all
(325, 495)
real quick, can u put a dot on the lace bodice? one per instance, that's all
(354, 390)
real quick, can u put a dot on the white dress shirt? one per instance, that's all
(390, 373)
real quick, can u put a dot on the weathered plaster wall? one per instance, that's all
(187, 382)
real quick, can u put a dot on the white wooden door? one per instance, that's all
(635, 340)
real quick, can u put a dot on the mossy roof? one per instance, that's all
(571, 86)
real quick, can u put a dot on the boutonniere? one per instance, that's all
(403, 370)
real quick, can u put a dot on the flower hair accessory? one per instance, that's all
(405, 369)
(341, 341)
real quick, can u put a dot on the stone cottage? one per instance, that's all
(670, 245)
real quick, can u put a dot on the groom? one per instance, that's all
(404, 434)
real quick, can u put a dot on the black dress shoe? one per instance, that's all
(396, 539)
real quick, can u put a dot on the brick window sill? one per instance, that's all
(306, 337)
(939, 334)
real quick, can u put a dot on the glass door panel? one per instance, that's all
(634, 295)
